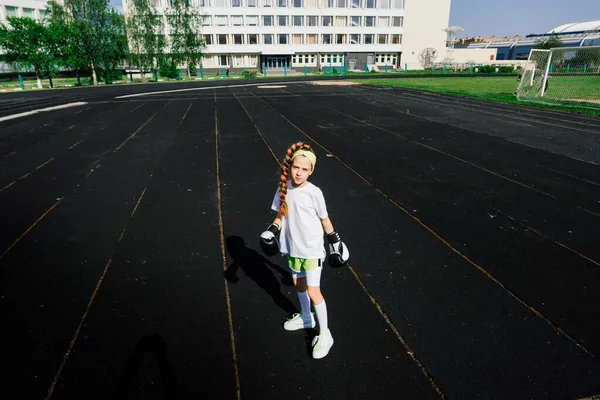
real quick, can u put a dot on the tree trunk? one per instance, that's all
(94, 77)
(37, 78)
(142, 75)
(188, 71)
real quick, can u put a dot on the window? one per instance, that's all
(252, 39)
(43, 14)
(311, 39)
(384, 21)
(355, 21)
(223, 60)
(298, 20)
(311, 3)
(267, 20)
(328, 3)
(236, 20)
(396, 39)
(354, 38)
(282, 39)
(355, 3)
(29, 13)
(369, 21)
(268, 39)
(220, 3)
(236, 3)
(203, 3)
(297, 3)
(221, 20)
(238, 38)
(207, 62)
(207, 20)
(368, 39)
(382, 39)
(208, 39)
(385, 4)
(11, 11)
(252, 20)
(251, 3)
(370, 3)
(222, 39)
(327, 20)
(340, 39)
(281, 3)
(297, 39)
(267, 3)
(326, 38)
(282, 20)
(398, 4)
(340, 21)
(397, 21)
(341, 3)
(311, 20)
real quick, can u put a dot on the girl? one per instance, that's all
(302, 218)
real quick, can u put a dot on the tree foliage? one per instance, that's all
(34, 44)
(549, 43)
(145, 28)
(186, 42)
(98, 40)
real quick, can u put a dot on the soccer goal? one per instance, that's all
(566, 76)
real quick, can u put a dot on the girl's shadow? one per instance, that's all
(259, 269)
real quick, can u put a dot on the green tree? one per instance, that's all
(33, 44)
(186, 41)
(145, 45)
(98, 40)
(549, 43)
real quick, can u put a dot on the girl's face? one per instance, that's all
(301, 170)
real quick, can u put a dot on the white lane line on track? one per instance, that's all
(27, 113)
(209, 88)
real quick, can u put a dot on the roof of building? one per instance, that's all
(577, 27)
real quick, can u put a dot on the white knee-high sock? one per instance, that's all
(321, 311)
(304, 304)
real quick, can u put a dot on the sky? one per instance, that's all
(514, 17)
(518, 17)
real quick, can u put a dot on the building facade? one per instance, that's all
(35, 9)
(518, 48)
(294, 34)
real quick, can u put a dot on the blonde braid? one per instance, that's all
(285, 173)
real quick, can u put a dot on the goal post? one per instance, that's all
(565, 76)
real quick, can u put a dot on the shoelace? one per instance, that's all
(293, 316)
(316, 340)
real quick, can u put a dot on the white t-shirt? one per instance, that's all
(301, 231)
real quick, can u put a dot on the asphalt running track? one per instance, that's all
(130, 268)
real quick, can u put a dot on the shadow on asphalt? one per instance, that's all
(260, 270)
(135, 371)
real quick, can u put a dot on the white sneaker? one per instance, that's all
(322, 344)
(298, 322)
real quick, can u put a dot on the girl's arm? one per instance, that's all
(327, 225)
(278, 220)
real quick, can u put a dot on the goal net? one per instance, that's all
(565, 76)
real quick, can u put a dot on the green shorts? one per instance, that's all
(303, 264)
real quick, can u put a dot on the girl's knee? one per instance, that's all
(314, 292)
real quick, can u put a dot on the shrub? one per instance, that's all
(249, 74)
(487, 69)
(167, 69)
(507, 69)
